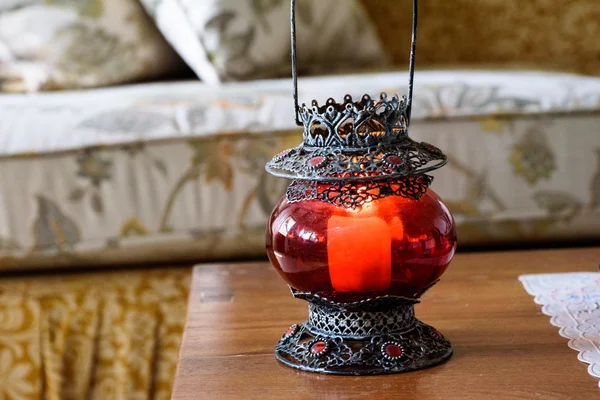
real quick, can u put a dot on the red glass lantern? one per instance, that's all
(360, 236)
(393, 245)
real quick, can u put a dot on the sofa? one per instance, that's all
(111, 188)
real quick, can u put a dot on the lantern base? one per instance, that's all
(371, 337)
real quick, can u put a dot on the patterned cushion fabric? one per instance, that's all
(175, 171)
(550, 34)
(50, 45)
(242, 39)
(97, 336)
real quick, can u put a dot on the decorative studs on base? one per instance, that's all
(309, 347)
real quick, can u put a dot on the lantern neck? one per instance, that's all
(327, 321)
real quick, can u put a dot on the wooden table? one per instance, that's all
(504, 347)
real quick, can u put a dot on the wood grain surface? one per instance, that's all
(504, 347)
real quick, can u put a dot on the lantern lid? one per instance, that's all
(356, 140)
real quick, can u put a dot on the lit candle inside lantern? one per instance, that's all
(359, 251)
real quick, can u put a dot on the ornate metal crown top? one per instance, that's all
(355, 125)
(353, 141)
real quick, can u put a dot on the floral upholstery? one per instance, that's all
(225, 40)
(65, 44)
(175, 171)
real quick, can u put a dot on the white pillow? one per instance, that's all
(248, 39)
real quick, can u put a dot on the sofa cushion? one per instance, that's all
(174, 171)
(239, 39)
(53, 45)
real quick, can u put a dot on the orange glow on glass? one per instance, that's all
(359, 251)
(397, 228)
(418, 239)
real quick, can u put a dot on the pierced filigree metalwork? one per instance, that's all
(355, 125)
(375, 336)
(360, 141)
(359, 324)
(353, 195)
(335, 164)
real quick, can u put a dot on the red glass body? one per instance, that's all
(391, 246)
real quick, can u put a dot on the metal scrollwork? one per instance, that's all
(354, 195)
(360, 141)
(352, 342)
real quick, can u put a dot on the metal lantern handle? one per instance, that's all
(411, 71)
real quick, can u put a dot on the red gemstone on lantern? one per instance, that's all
(318, 347)
(393, 350)
(291, 330)
(394, 160)
(282, 153)
(315, 161)
(390, 246)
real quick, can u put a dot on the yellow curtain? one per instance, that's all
(100, 335)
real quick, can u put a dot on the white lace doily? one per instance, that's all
(572, 300)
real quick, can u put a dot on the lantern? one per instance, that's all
(359, 235)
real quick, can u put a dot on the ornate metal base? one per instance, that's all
(378, 336)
